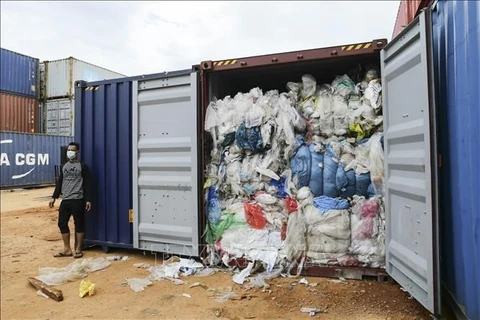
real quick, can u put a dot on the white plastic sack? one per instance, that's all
(372, 94)
(295, 241)
(322, 243)
(334, 223)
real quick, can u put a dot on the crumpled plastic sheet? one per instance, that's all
(76, 270)
(137, 284)
(324, 204)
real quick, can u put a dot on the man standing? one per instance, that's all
(74, 185)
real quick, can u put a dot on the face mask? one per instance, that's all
(71, 154)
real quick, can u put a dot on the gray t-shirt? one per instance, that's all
(72, 184)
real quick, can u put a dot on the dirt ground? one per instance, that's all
(30, 237)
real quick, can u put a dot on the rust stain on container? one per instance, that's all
(18, 113)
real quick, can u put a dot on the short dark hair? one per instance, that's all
(77, 145)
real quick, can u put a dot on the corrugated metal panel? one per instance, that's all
(456, 45)
(165, 162)
(18, 113)
(29, 159)
(407, 11)
(18, 74)
(59, 114)
(60, 76)
(103, 129)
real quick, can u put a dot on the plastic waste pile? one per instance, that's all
(297, 175)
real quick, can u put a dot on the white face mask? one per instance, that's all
(71, 154)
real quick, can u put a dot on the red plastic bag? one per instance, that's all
(254, 216)
(291, 205)
(283, 233)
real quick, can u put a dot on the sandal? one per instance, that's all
(78, 255)
(62, 255)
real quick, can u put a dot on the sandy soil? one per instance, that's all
(29, 238)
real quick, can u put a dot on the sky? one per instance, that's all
(135, 38)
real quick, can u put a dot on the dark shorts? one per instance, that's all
(75, 208)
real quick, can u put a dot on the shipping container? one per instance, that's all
(456, 44)
(430, 150)
(103, 127)
(29, 160)
(59, 114)
(18, 113)
(19, 74)
(407, 11)
(60, 76)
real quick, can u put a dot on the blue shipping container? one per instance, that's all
(103, 127)
(103, 113)
(456, 40)
(19, 74)
(29, 160)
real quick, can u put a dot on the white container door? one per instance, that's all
(412, 253)
(165, 160)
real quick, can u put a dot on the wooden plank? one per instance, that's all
(53, 293)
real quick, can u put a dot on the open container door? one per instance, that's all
(412, 253)
(165, 164)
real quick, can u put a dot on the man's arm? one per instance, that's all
(87, 185)
(58, 185)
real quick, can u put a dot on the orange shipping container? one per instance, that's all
(17, 113)
(407, 11)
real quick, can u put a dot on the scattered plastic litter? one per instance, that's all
(86, 288)
(141, 265)
(74, 271)
(118, 258)
(239, 278)
(303, 281)
(186, 295)
(311, 311)
(138, 285)
(41, 294)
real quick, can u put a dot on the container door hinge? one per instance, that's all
(130, 215)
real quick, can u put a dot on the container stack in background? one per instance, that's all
(19, 92)
(57, 91)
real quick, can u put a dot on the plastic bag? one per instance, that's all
(291, 205)
(362, 184)
(254, 117)
(86, 287)
(309, 86)
(322, 243)
(345, 181)
(376, 163)
(249, 138)
(280, 186)
(316, 173)
(295, 241)
(74, 271)
(372, 94)
(265, 198)
(334, 223)
(138, 285)
(301, 164)
(211, 117)
(324, 204)
(214, 209)
(344, 86)
(330, 167)
(254, 216)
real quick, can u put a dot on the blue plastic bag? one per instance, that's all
(324, 204)
(249, 138)
(301, 163)
(346, 182)
(330, 168)
(280, 185)
(316, 173)
(371, 190)
(214, 209)
(363, 183)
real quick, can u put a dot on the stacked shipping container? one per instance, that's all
(19, 92)
(58, 93)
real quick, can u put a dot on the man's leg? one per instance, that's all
(63, 217)
(79, 219)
